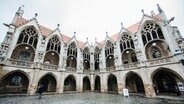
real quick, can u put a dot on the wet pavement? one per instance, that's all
(84, 98)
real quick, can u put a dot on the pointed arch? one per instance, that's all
(96, 58)
(14, 82)
(29, 35)
(151, 31)
(71, 55)
(70, 83)
(54, 44)
(49, 82)
(97, 83)
(86, 84)
(86, 58)
(166, 81)
(112, 83)
(134, 83)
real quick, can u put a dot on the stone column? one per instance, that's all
(79, 83)
(149, 90)
(34, 83)
(103, 83)
(92, 82)
(60, 86)
(120, 83)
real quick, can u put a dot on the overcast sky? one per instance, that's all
(89, 18)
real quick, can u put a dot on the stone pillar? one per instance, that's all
(149, 90)
(79, 83)
(103, 83)
(60, 86)
(34, 83)
(92, 82)
(120, 88)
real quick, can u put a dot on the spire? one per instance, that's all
(95, 39)
(74, 33)
(142, 11)
(58, 25)
(159, 8)
(121, 24)
(86, 39)
(106, 34)
(36, 14)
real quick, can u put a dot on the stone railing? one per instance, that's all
(70, 69)
(49, 66)
(131, 65)
(19, 63)
(160, 61)
(112, 68)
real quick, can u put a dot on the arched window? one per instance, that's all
(155, 52)
(151, 31)
(96, 58)
(127, 41)
(54, 45)
(86, 57)
(72, 50)
(29, 36)
(109, 49)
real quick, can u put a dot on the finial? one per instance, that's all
(142, 11)
(74, 33)
(121, 24)
(86, 39)
(159, 8)
(58, 25)
(36, 14)
(106, 33)
(20, 12)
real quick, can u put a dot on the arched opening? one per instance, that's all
(71, 62)
(134, 83)
(166, 82)
(110, 61)
(23, 54)
(156, 49)
(86, 84)
(112, 83)
(52, 58)
(86, 64)
(97, 83)
(70, 84)
(97, 65)
(14, 82)
(49, 83)
(129, 56)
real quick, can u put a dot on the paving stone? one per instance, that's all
(81, 98)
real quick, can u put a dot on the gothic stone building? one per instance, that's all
(146, 58)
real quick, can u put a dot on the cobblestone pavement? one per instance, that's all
(83, 98)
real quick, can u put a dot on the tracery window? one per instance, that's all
(54, 45)
(29, 36)
(109, 49)
(151, 31)
(96, 57)
(86, 54)
(126, 42)
(72, 50)
(16, 81)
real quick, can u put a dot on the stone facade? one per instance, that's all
(146, 58)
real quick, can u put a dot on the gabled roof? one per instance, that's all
(46, 31)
